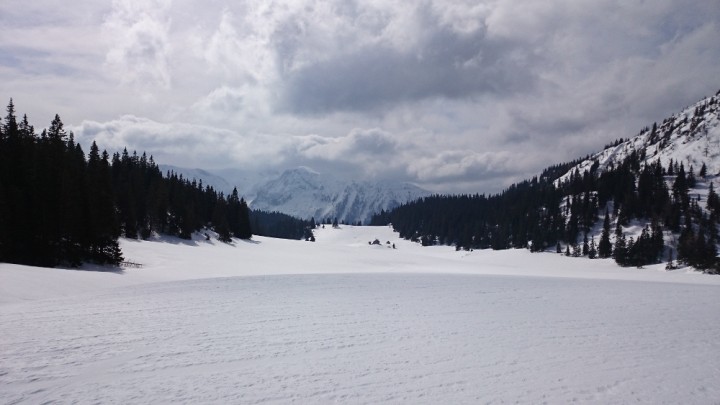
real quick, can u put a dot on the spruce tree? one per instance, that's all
(713, 202)
(220, 220)
(620, 251)
(691, 181)
(592, 251)
(605, 247)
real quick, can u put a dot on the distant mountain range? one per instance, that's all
(304, 193)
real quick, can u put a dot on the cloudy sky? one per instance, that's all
(453, 95)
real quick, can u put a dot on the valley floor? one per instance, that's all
(274, 321)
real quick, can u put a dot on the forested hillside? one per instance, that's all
(640, 200)
(59, 206)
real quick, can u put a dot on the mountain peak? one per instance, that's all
(303, 169)
(304, 193)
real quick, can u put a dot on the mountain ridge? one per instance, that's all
(306, 194)
(684, 137)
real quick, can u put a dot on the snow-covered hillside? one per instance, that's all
(691, 137)
(304, 193)
(339, 320)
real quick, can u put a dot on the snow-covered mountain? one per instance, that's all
(305, 193)
(691, 137)
(209, 179)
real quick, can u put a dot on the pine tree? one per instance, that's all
(577, 250)
(102, 219)
(605, 247)
(220, 220)
(56, 132)
(10, 128)
(620, 251)
(686, 246)
(680, 186)
(630, 251)
(691, 181)
(713, 202)
(245, 228)
(592, 251)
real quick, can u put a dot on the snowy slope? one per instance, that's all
(691, 137)
(304, 193)
(277, 321)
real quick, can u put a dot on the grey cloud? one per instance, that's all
(35, 62)
(457, 95)
(446, 64)
(358, 146)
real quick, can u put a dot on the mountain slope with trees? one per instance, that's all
(61, 207)
(641, 201)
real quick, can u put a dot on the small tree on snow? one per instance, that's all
(592, 251)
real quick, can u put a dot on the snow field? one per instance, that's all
(341, 321)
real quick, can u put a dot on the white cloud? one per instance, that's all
(140, 50)
(178, 143)
(463, 165)
(359, 143)
(459, 95)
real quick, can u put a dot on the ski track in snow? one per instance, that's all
(365, 338)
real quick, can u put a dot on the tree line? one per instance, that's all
(59, 206)
(545, 214)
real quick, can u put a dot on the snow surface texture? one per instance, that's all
(275, 321)
(304, 193)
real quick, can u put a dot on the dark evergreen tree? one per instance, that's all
(691, 181)
(239, 216)
(277, 225)
(592, 251)
(59, 207)
(605, 247)
(713, 202)
(620, 250)
(220, 220)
